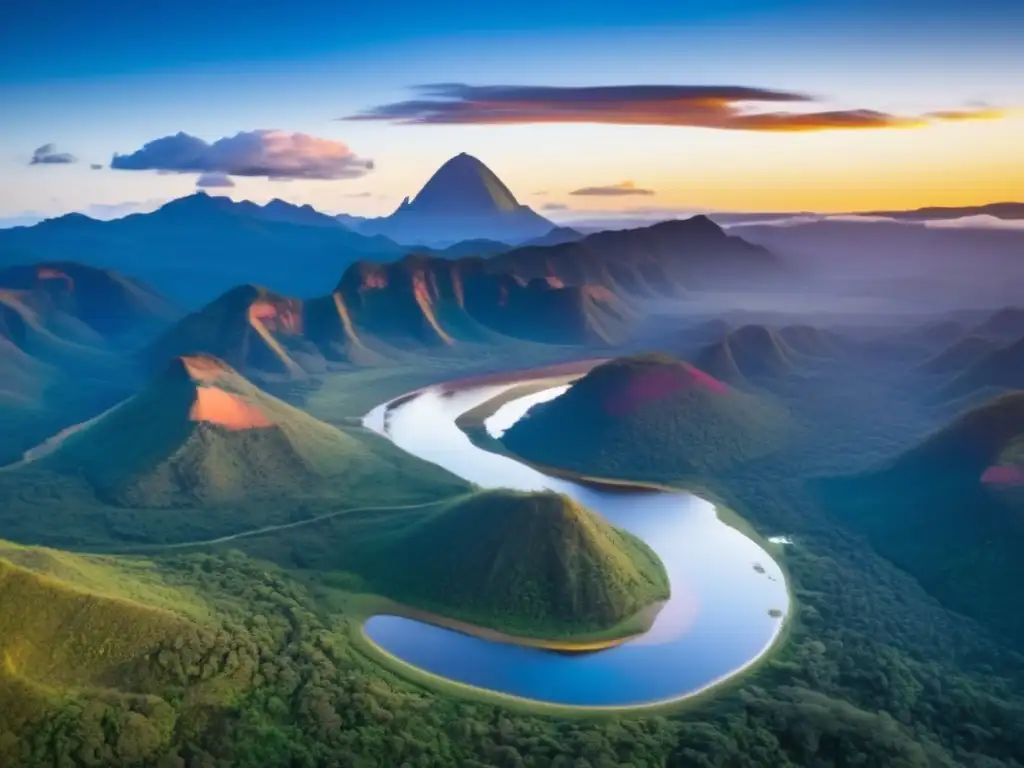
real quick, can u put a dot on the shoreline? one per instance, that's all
(524, 375)
(533, 380)
(555, 371)
(400, 610)
(555, 707)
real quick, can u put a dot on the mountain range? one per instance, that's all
(197, 247)
(587, 292)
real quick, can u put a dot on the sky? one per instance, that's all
(582, 108)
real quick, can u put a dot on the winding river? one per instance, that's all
(729, 597)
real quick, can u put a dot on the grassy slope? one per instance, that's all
(667, 439)
(875, 671)
(750, 352)
(53, 501)
(1002, 368)
(930, 514)
(167, 460)
(530, 564)
(959, 355)
(70, 623)
(513, 562)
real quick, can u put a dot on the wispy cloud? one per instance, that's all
(982, 112)
(108, 211)
(983, 221)
(622, 189)
(96, 166)
(48, 155)
(723, 107)
(555, 207)
(359, 194)
(269, 153)
(214, 180)
(644, 213)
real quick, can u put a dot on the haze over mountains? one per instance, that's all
(949, 511)
(197, 247)
(585, 292)
(134, 426)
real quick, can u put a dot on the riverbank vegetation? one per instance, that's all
(874, 672)
(530, 564)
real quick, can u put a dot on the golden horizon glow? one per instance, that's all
(958, 163)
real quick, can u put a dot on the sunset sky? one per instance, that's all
(738, 105)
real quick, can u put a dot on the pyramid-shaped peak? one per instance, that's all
(464, 185)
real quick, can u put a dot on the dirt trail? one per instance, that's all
(279, 527)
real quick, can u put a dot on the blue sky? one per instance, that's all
(103, 77)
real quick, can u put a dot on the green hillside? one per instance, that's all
(538, 565)
(935, 512)
(70, 624)
(1002, 368)
(1003, 325)
(248, 327)
(960, 355)
(811, 341)
(22, 377)
(47, 380)
(650, 417)
(751, 352)
(86, 304)
(200, 434)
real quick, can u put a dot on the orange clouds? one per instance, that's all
(622, 189)
(271, 154)
(718, 107)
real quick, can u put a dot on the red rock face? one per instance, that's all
(600, 293)
(421, 290)
(656, 384)
(552, 276)
(374, 281)
(458, 289)
(278, 316)
(225, 409)
(1003, 476)
(554, 281)
(46, 273)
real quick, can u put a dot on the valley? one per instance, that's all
(653, 496)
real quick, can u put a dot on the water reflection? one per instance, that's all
(723, 584)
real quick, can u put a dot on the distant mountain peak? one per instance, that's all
(197, 201)
(464, 186)
(462, 200)
(695, 224)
